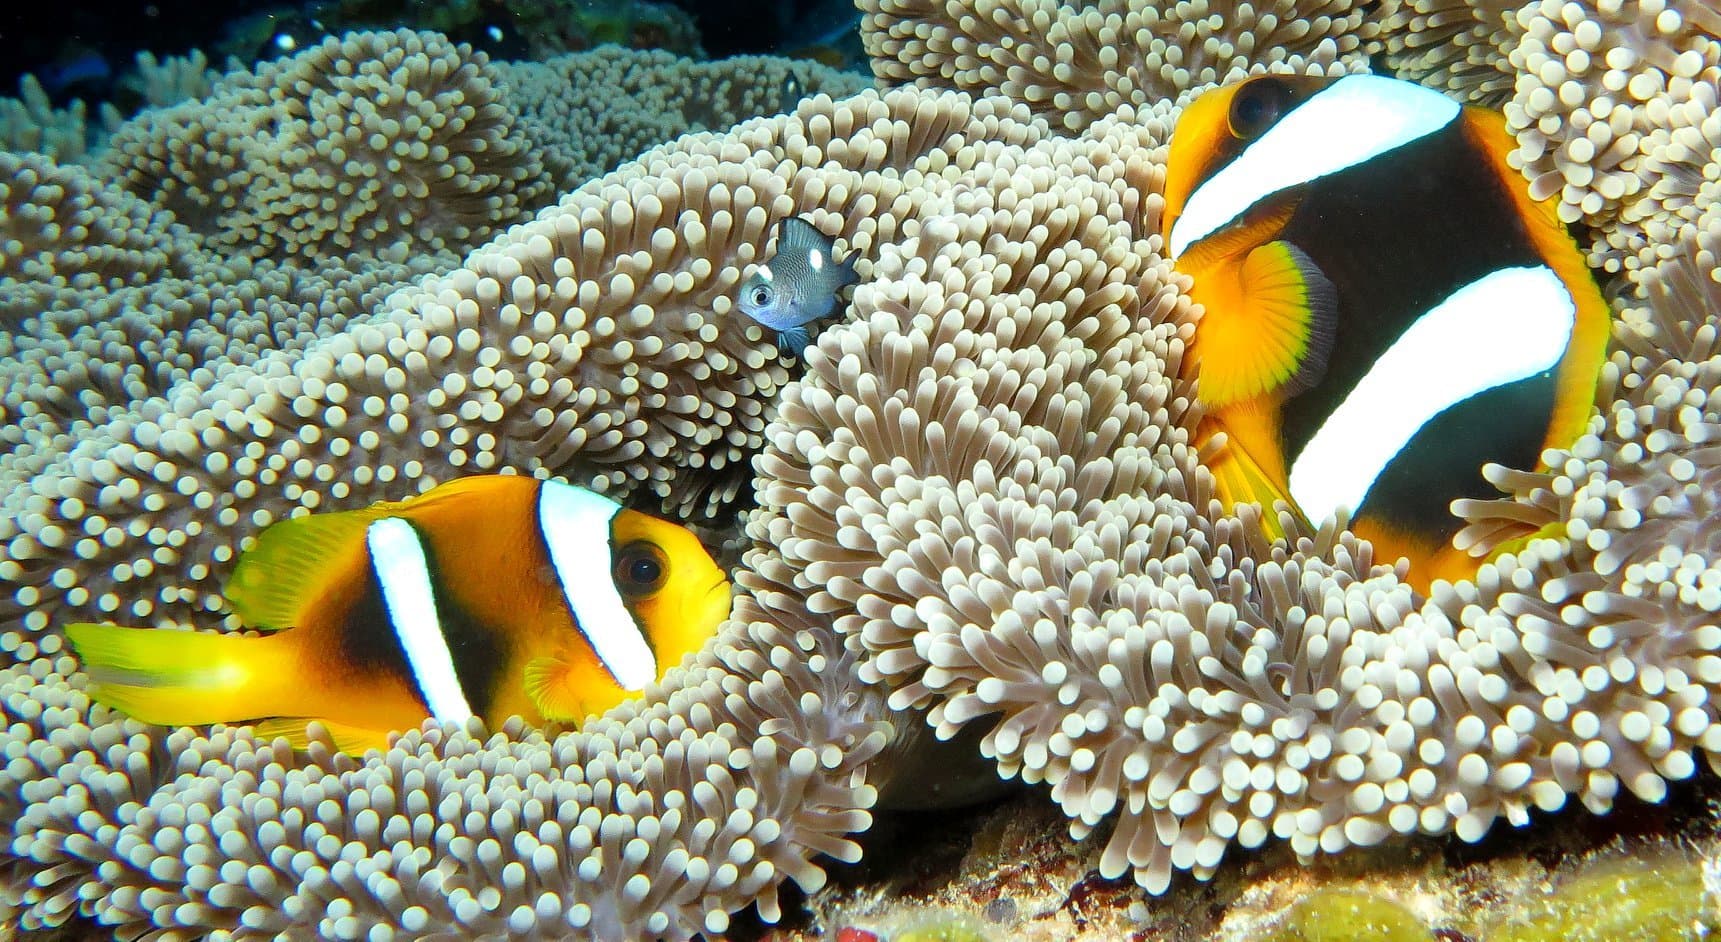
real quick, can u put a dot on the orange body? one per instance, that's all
(510, 631)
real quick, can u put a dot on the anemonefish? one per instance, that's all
(798, 285)
(1385, 308)
(492, 596)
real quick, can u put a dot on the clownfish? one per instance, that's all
(798, 285)
(1385, 307)
(489, 596)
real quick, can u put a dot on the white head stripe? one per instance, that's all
(401, 569)
(1501, 328)
(576, 527)
(1353, 120)
(765, 272)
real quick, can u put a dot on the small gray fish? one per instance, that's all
(792, 92)
(797, 286)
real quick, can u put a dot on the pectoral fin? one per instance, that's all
(1268, 328)
(547, 685)
(793, 341)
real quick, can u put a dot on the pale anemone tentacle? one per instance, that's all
(983, 482)
(1451, 45)
(1595, 82)
(1075, 63)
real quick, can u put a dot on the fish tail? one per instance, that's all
(182, 678)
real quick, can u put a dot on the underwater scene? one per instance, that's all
(889, 471)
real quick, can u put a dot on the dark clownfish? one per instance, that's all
(1385, 307)
(493, 596)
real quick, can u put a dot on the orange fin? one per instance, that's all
(353, 740)
(179, 678)
(1240, 479)
(1268, 331)
(547, 686)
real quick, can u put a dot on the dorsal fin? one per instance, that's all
(295, 560)
(800, 236)
(806, 257)
(293, 563)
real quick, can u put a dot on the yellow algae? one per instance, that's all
(944, 929)
(1647, 900)
(1350, 915)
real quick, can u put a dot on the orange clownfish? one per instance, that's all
(1385, 307)
(488, 596)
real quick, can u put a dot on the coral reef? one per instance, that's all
(1345, 915)
(1005, 873)
(978, 501)
(1664, 895)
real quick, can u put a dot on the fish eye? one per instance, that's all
(1257, 106)
(761, 295)
(640, 569)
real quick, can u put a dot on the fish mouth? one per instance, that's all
(721, 587)
(719, 600)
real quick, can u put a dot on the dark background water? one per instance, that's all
(79, 48)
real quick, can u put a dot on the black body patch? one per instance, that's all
(1398, 235)
(1445, 458)
(369, 643)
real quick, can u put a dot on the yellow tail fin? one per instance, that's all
(183, 678)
